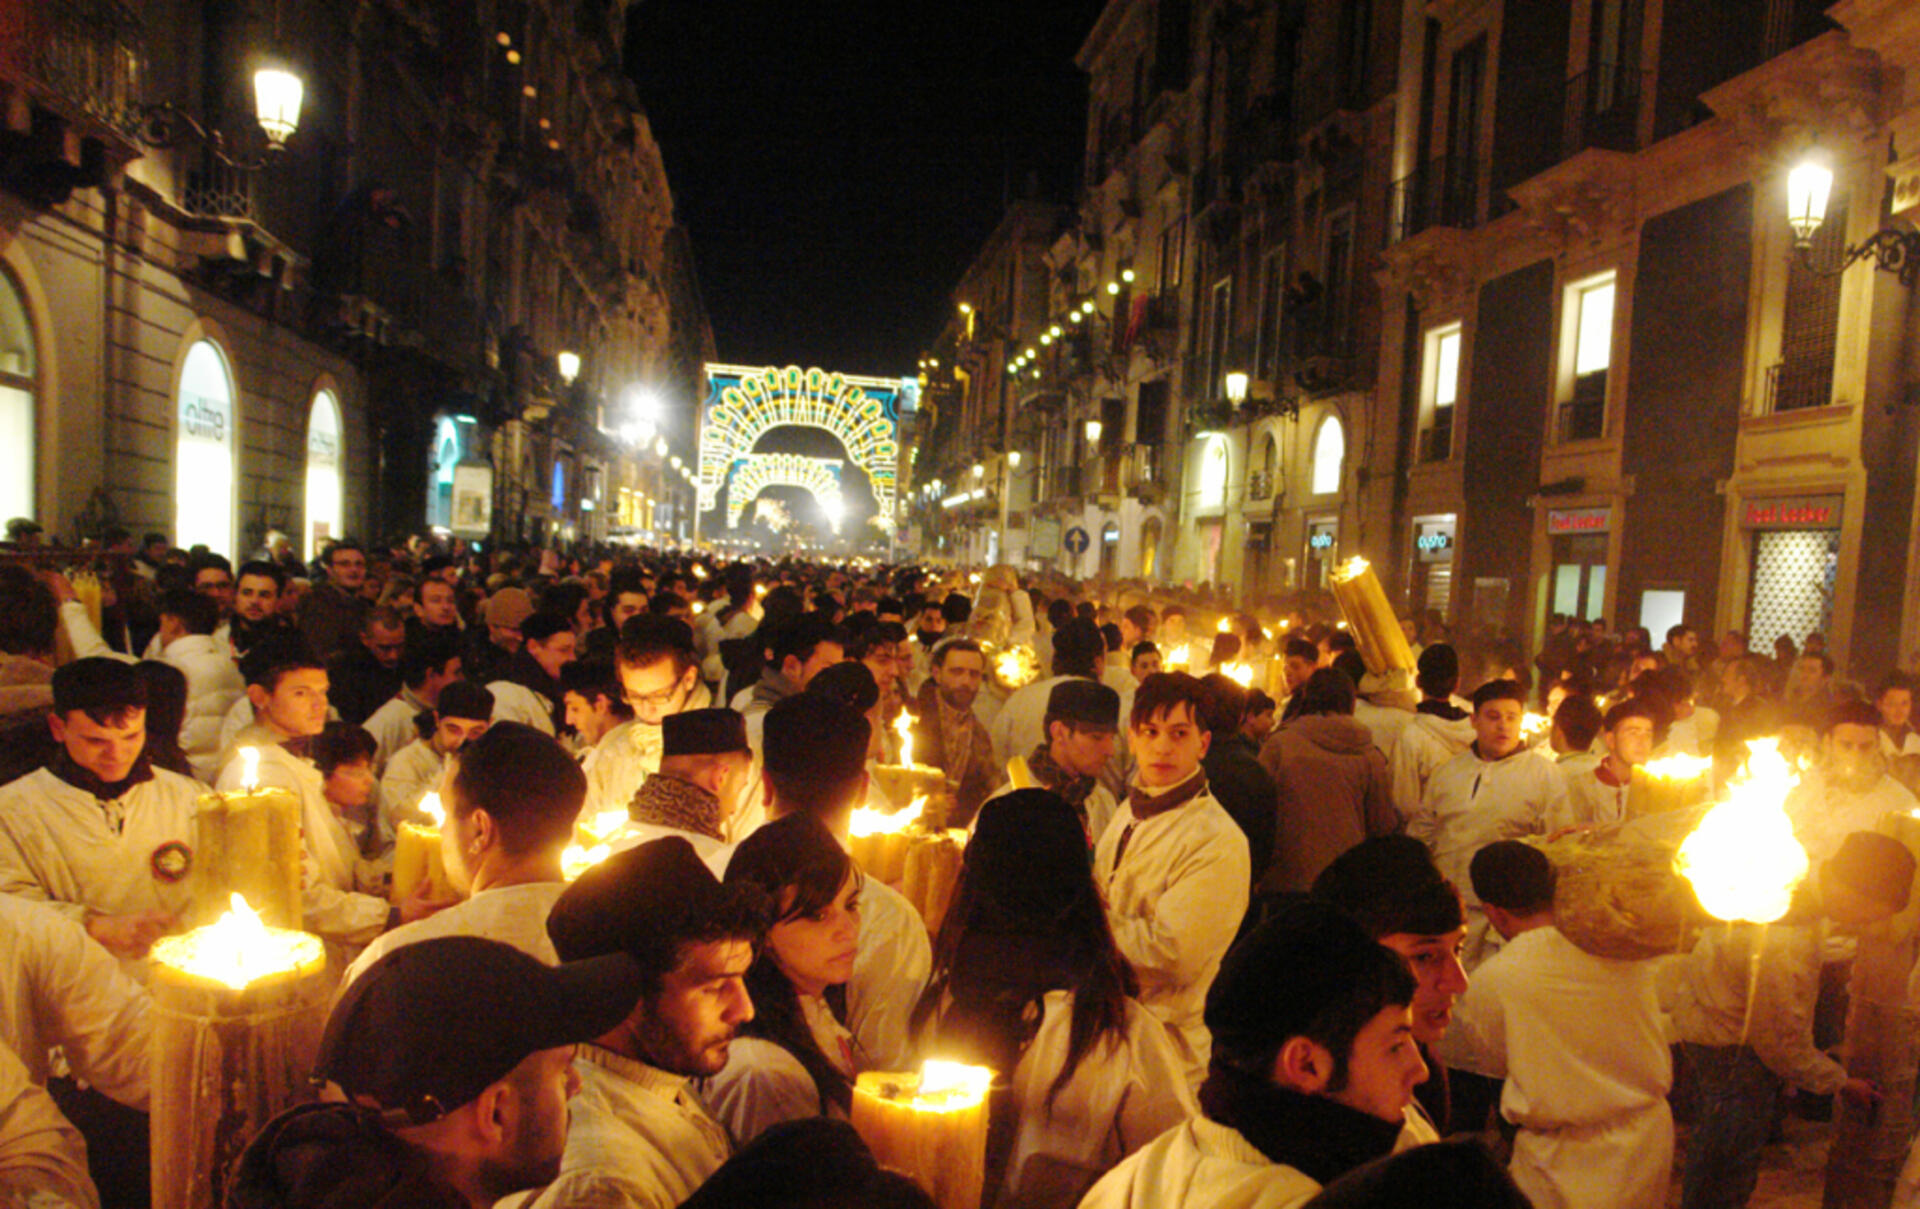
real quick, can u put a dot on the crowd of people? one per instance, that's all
(1238, 922)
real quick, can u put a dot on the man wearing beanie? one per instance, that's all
(462, 712)
(1743, 1051)
(489, 646)
(706, 772)
(511, 797)
(1313, 1066)
(1078, 651)
(1083, 726)
(1441, 728)
(815, 761)
(639, 1137)
(1580, 1042)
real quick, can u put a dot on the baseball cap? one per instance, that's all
(431, 1025)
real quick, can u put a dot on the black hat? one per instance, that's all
(850, 681)
(22, 526)
(1085, 703)
(1875, 865)
(646, 901)
(1078, 641)
(815, 737)
(701, 732)
(1029, 855)
(406, 1035)
(1282, 978)
(464, 699)
(1439, 664)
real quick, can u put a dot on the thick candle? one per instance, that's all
(247, 843)
(930, 1126)
(417, 858)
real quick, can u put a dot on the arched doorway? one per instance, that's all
(323, 471)
(204, 444)
(1329, 456)
(1149, 547)
(18, 415)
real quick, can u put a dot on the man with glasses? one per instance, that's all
(330, 615)
(660, 676)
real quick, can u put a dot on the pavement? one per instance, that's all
(1792, 1171)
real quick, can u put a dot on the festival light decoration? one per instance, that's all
(757, 472)
(746, 403)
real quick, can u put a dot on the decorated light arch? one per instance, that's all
(745, 403)
(758, 471)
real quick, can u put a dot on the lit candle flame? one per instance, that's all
(903, 726)
(1353, 568)
(1678, 767)
(249, 769)
(578, 859)
(943, 1083)
(1017, 666)
(1743, 859)
(435, 812)
(1240, 673)
(1179, 658)
(867, 821)
(1534, 727)
(238, 949)
(604, 824)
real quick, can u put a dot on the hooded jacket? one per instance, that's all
(1425, 743)
(1333, 791)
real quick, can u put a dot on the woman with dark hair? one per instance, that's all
(795, 1058)
(166, 714)
(1027, 980)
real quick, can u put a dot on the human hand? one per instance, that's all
(129, 936)
(61, 587)
(419, 904)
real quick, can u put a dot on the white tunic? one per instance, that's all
(1824, 813)
(891, 964)
(213, 685)
(332, 903)
(59, 988)
(1201, 1164)
(1424, 744)
(57, 845)
(514, 915)
(1175, 899)
(43, 1159)
(714, 853)
(638, 1139)
(1125, 1093)
(412, 774)
(629, 754)
(517, 703)
(392, 727)
(1581, 1044)
(1588, 800)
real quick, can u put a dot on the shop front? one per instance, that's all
(1793, 545)
(1430, 581)
(1578, 538)
(1323, 552)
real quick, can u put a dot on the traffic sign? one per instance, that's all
(1077, 541)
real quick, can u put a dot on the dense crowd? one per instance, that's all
(1239, 922)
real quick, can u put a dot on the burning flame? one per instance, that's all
(1225, 626)
(903, 726)
(604, 824)
(249, 769)
(1678, 767)
(1743, 859)
(1240, 673)
(1534, 727)
(1179, 658)
(699, 607)
(435, 812)
(578, 859)
(1353, 568)
(1017, 666)
(238, 949)
(867, 821)
(949, 1086)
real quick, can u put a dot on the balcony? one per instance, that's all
(1796, 385)
(1063, 483)
(1602, 109)
(1436, 440)
(1259, 484)
(1440, 193)
(76, 65)
(1584, 417)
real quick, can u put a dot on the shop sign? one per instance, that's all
(1321, 537)
(1434, 545)
(472, 500)
(1793, 512)
(1579, 520)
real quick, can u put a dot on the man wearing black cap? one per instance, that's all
(639, 1137)
(706, 773)
(660, 674)
(445, 1105)
(461, 713)
(815, 761)
(1743, 1051)
(1080, 652)
(1441, 728)
(1083, 725)
(511, 798)
(1313, 1066)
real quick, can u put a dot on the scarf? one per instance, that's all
(670, 802)
(524, 670)
(1074, 789)
(1445, 710)
(1146, 803)
(107, 793)
(1318, 1137)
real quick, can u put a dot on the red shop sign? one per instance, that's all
(1579, 520)
(1793, 512)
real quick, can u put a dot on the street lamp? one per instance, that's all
(1093, 430)
(1013, 458)
(660, 447)
(1236, 384)
(1809, 185)
(569, 364)
(276, 101)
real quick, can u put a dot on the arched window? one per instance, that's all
(323, 470)
(203, 456)
(1213, 473)
(18, 419)
(1329, 455)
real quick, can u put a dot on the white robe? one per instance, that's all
(629, 754)
(56, 846)
(392, 727)
(514, 702)
(43, 1159)
(213, 684)
(1580, 1041)
(60, 988)
(1175, 899)
(1423, 745)
(515, 915)
(1201, 1164)
(413, 773)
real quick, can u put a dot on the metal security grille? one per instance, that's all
(1793, 579)
(1810, 321)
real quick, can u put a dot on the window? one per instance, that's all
(1589, 329)
(1173, 249)
(1213, 472)
(1338, 340)
(203, 458)
(1329, 455)
(1273, 288)
(1219, 319)
(18, 417)
(1810, 321)
(323, 471)
(1441, 387)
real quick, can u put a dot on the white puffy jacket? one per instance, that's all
(213, 685)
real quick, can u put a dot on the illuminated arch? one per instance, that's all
(759, 471)
(744, 404)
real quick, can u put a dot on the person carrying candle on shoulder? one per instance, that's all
(1313, 1066)
(100, 835)
(1082, 729)
(1747, 1036)
(660, 676)
(451, 1065)
(1028, 982)
(461, 713)
(705, 777)
(1597, 793)
(511, 798)
(815, 763)
(796, 1058)
(288, 688)
(1580, 1042)
(639, 1136)
(1495, 790)
(1173, 865)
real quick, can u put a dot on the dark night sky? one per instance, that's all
(838, 162)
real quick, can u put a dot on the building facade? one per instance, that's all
(215, 330)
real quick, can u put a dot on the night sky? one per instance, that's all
(839, 162)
